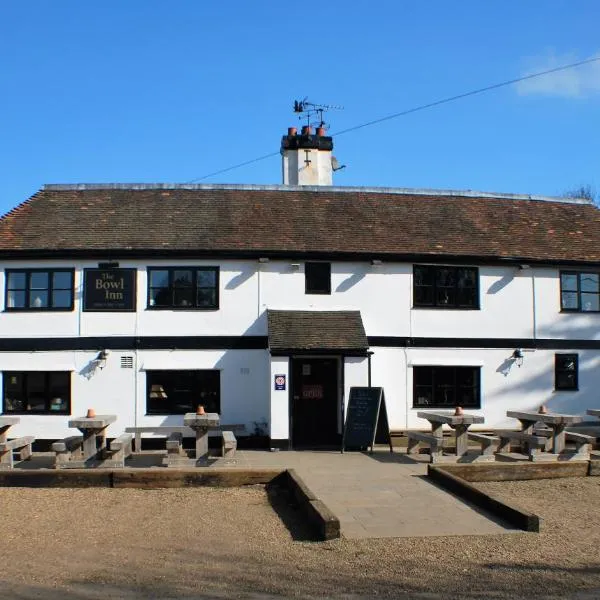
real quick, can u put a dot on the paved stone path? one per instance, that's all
(380, 495)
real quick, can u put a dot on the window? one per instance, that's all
(180, 392)
(566, 371)
(183, 288)
(317, 277)
(579, 292)
(35, 289)
(446, 287)
(37, 392)
(446, 387)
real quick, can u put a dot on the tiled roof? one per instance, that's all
(328, 221)
(316, 330)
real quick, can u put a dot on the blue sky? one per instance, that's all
(169, 91)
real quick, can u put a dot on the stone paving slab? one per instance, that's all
(380, 495)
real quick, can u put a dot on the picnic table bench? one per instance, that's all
(8, 448)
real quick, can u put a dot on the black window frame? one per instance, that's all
(317, 278)
(27, 290)
(50, 393)
(166, 380)
(195, 270)
(434, 270)
(476, 387)
(578, 291)
(561, 367)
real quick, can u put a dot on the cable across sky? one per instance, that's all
(415, 109)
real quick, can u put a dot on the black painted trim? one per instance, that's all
(260, 342)
(249, 342)
(279, 444)
(123, 253)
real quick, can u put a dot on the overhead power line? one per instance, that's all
(416, 109)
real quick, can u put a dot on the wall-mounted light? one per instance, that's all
(524, 267)
(100, 360)
(517, 355)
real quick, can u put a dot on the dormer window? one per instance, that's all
(317, 277)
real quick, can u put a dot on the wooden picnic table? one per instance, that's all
(459, 423)
(201, 424)
(557, 422)
(5, 424)
(94, 433)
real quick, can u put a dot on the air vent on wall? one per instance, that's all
(126, 362)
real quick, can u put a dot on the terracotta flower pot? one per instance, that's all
(200, 410)
(542, 410)
(459, 412)
(90, 413)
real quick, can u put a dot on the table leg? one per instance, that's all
(558, 438)
(437, 430)
(201, 444)
(462, 439)
(527, 427)
(89, 444)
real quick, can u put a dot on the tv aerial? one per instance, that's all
(308, 110)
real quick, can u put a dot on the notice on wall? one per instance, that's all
(280, 382)
(109, 290)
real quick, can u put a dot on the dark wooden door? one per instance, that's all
(315, 402)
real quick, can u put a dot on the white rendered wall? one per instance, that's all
(279, 422)
(296, 171)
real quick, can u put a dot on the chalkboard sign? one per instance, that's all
(366, 419)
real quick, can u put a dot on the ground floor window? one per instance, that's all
(180, 392)
(446, 387)
(38, 392)
(566, 367)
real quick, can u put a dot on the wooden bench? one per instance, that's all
(489, 444)
(583, 444)
(419, 437)
(66, 449)
(534, 444)
(20, 446)
(166, 430)
(120, 449)
(229, 444)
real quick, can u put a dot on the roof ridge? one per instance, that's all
(312, 188)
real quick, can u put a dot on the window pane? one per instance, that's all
(317, 278)
(207, 297)
(38, 299)
(423, 375)
(159, 279)
(467, 297)
(183, 297)
(467, 278)
(38, 281)
(61, 298)
(569, 300)
(15, 299)
(446, 297)
(61, 281)
(182, 278)
(207, 278)
(423, 396)
(589, 282)
(446, 277)
(589, 302)
(16, 281)
(161, 297)
(568, 282)
(444, 395)
(424, 296)
(423, 275)
(566, 381)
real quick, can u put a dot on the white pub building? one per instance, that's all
(266, 304)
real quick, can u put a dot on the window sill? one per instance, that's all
(415, 307)
(29, 310)
(8, 413)
(183, 308)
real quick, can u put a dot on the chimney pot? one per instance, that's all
(306, 130)
(292, 131)
(320, 131)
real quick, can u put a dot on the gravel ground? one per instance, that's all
(231, 543)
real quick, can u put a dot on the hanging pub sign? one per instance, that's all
(109, 289)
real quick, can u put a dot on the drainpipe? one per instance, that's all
(369, 354)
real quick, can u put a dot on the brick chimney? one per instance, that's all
(307, 157)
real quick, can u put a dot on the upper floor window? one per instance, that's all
(40, 392)
(446, 287)
(566, 371)
(579, 292)
(317, 277)
(183, 287)
(446, 387)
(39, 289)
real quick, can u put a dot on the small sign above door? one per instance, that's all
(280, 382)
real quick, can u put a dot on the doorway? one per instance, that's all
(315, 402)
